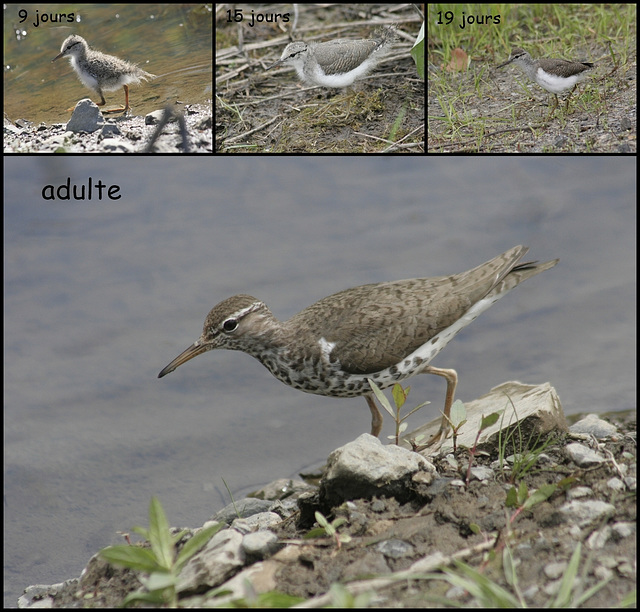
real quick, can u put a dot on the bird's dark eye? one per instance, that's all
(230, 325)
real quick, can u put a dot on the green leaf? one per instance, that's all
(324, 523)
(156, 598)
(523, 492)
(418, 52)
(487, 592)
(338, 522)
(565, 591)
(512, 498)
(133, 557)
(415, 410)
(316, 532)
(509, 567)
(489, 420)
(275, 599)
(382, 398)
(399, 395)
(159, 580)
(159, 534)
(540, 495)
(321, 520)
(458, 414)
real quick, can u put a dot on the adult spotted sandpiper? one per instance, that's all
(99, 71)
(336, 63)
(554, 75)
(385, 331)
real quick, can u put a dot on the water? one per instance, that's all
(100, 295)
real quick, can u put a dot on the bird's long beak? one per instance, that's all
(507, 62)
(193, 351)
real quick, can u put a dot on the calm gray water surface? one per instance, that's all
(171, 41)
(101, 295)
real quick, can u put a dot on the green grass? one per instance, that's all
(471, 104)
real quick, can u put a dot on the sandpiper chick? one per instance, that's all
(385, 332)
(336, 63)
(554, 75)
(99, 71)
